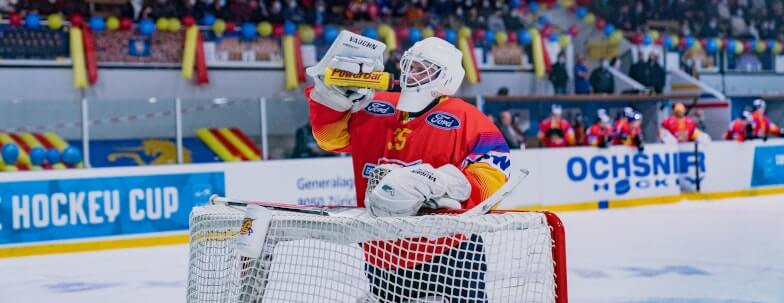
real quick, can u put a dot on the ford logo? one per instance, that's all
(379, 108)
(443, 120)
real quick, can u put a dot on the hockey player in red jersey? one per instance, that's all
(442, 152)
(763, 128)
(679, 125)
(598, 134)
(741, 128)
(555, 131)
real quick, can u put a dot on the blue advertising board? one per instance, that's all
(44, 210)
(768, 166)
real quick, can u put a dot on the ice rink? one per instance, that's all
(708, 252)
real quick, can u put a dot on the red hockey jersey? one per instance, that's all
(556, 132)
(684, 129)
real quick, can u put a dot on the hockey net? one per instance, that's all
(498, 257)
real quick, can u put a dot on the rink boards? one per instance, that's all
(76, 210)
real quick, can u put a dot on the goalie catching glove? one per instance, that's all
(395, 191)
(352, 53)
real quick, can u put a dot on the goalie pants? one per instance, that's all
(458, 275)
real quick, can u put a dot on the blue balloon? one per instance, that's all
(147, 27)
(689, 41)
(248, 31)
(731, 45)
(609, 29)
(542, 20)
(581, 12)
(553, 37)
(414, 34)
(208, 20)
(72, 155)
(647, 40)
(524, 37)
(490, 36)
(370, 32)
(53, 156)
(451, 36)
(533, 6)
(37, 155)
(771, 43)
(10, 153)
(97, 23)
(33, 21)
(667, 42)
(330, 33)
(289, 28)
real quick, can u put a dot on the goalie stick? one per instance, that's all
(480, 209)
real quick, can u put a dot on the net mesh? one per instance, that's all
(437, 258)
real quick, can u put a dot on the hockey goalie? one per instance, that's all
(416, 150)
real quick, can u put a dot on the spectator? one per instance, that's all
(503, 91)
(581, 84)
(305, 145)
(507, 128)
(7, 6)
(555, 131)
(558, 76)
(640, 70)
(657, 73)
(602, 81)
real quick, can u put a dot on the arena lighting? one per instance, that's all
(220, 101)
(152, 100)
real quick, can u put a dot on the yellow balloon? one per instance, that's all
(306, 34)
(55, 21)
(501, 37)
(675, 41)
(760, 46)
(219, 26)
(112, 23)
(264, 29)
(719, 43)
(739, 48)
(162, 24)
(175, 25)
(616, 37)
(427, 32)
(589, 19)
(384, 31)
(776, 48)
(564, 40)
(464, 32)
(654, 34)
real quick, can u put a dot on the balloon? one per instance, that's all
(219, 26)
(372, 11)
(414, 34)
(464, 32)
(589, 19)
(676, 42)
(289, 28)
(533, 6)
(739, 48)
(689, 41)
(600, 24)
(402, 34)
(15, 19)
(427, 32)
(479, 35)
(54, 21)
(542, 20)
(654, 34)
(667, 43)
(306, 34)
(208, 20)
(53, 156)
(489, 36)
(187, 21)
(731, 45)
(581, 12)
(112, 23)
(501, 37)
(719, 43)
(524, 37)
(72, 155)
(264, 29)
(771, 43)
(608, 29)
(248, 31)
(126, 23)
(318, 30)
(97, 24)
(37, 155)
(451, 36)
(647, 40)
(146, 27)
(162, 24)
(230, 26)
(711, 46)
(547, 30)
(33, 21)
(330, 33)
(174, 25)
(440, 33)
(370, 32)
(760, 46)
(512, 36)
(574, 30)
(76, 20)
(659, 41)
(10, 153)
(776, 49)
(616, 37)
(553, 37)
(564, 40)
(747, 45)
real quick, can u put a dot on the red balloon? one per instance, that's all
(512, 36)
(747, 45)
(440, 33)
(187, 21)
(77, 20)
(318, 30)
(126, 23)
(660, 40)
(15, 19)
(703, 42)
(402, 33)
(546, 31)
(638, 38)
(600, 23)
(372, 11)
(277, 30)
(479, 34)
(574, 30)
(230, 26)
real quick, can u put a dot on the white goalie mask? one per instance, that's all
(430, 69)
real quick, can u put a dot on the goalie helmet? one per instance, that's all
(430, 69)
